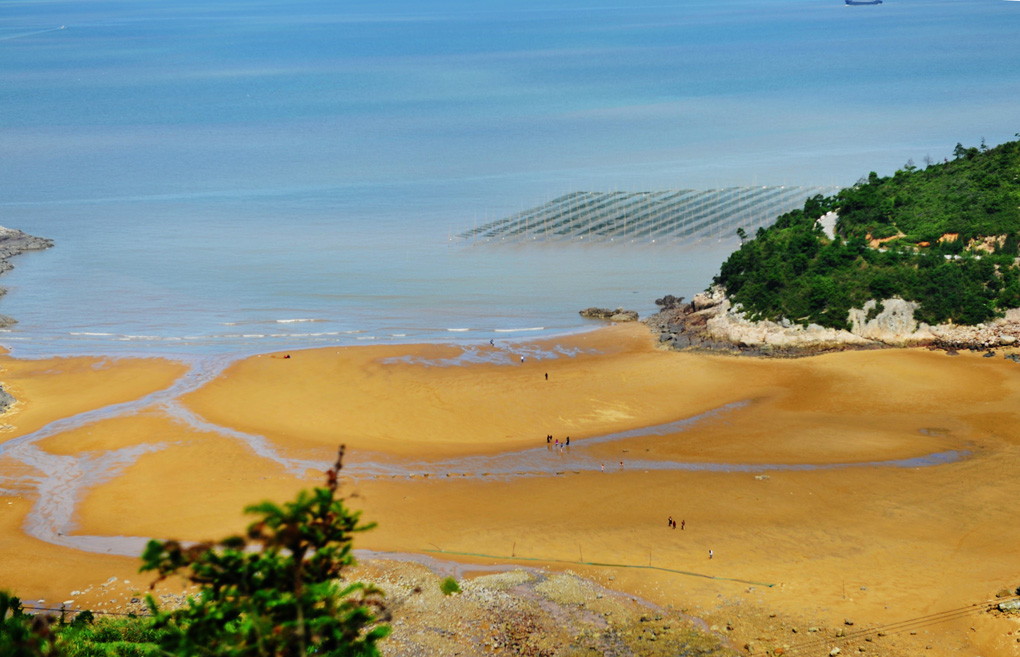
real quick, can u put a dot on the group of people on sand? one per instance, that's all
(557, 444)
(683, 525)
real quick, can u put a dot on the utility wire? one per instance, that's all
(606, 565)
(65, 610)
(899, 627)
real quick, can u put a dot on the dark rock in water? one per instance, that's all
(989, 354)
(669, 302)
(618, 315)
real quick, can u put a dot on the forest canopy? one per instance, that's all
(946, 236)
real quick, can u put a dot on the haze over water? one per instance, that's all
(215, 172)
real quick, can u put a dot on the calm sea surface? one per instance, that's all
(239, 176)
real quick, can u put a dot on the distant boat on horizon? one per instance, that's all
(864, 2)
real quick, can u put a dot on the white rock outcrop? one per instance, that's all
(712, 321)
(893, 325)
(728, 324)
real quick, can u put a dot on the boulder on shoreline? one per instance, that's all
(618, 315)
(712, 323)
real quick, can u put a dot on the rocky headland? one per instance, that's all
(14, 242)
(711, 322)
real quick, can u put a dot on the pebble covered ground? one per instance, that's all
(529, 613)
(538, 613)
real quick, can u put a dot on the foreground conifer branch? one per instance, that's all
(274, 591)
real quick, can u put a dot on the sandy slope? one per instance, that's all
(877, 544)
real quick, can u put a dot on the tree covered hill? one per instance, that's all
(946, 236)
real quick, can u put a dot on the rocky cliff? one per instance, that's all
(711, 322)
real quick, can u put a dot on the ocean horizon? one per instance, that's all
(233, 178)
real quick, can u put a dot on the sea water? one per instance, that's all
(241, 177)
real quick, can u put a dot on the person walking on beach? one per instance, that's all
(710, 554)
(568, 441)
(548, 439)
(522, 359)
(546, 376)
(683, 523)
(603, 467)
(671, 521)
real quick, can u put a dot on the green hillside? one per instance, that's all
(946, 236)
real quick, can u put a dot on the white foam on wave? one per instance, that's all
(91, 333)
(298, 320)
(365, 337)
(458, 330)
(305, 335)
(520, 330)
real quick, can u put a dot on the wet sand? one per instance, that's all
(791, 472)
(35, 570)
(62, 387)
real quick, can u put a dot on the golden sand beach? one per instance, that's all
(812, 481)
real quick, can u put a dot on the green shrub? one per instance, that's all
(875, 312)
(883, 231)
(25, 635)
(449, 586)
(119, 637)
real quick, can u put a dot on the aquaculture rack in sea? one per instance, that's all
(681, 215)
